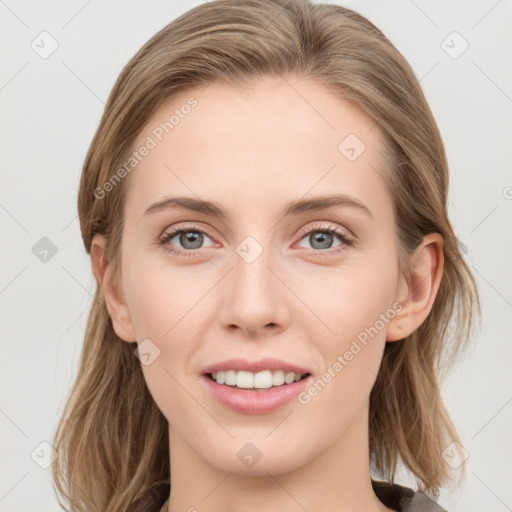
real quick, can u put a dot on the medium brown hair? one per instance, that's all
(112, 439)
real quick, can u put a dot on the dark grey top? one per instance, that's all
(404, 499)
(394, 496)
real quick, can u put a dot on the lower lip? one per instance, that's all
(255, 402)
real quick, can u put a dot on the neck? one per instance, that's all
(336, 477)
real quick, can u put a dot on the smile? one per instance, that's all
(252, 400)
(261, 380)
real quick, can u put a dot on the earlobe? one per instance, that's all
(114, 299)
(417, 294)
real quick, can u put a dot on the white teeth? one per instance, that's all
(230, 378)
(244, 379)
(289, 377)
(278, 378)
(260, 380)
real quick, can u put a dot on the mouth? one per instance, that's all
(245, 397)
(261, 381)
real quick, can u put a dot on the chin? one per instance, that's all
(252, 456)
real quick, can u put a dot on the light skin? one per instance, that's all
(303, 300)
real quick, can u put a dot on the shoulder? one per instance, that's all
(404, 499)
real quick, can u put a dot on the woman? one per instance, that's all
(279, 288)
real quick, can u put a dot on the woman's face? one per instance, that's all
(266, 279)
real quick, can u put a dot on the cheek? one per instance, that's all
(161, 296)
(165, 307)
(349, 299)
(355, 306)
(162, 310)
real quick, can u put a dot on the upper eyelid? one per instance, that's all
(173, 230)
(187, 227)
(318, 227)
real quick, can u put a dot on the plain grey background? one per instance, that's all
(58, 64)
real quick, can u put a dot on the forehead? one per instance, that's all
(283, 137)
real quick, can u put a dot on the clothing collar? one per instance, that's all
(397, 497)
(404, 499)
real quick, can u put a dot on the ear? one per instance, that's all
(116, 305)
(418, 293)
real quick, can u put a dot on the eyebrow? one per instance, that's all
(294, 207)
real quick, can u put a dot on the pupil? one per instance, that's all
(193, 238)
(324, 240)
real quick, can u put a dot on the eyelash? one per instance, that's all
(343, 237)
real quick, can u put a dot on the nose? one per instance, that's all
(255, 300)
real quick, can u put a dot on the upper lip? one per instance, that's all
(254, 366)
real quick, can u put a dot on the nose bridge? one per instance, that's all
(255, 296)
(251, 271)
